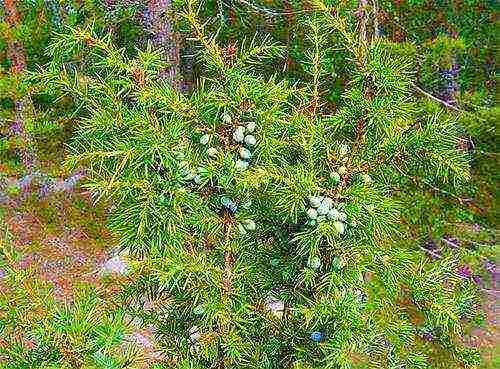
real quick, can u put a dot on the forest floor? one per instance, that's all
(487, 338)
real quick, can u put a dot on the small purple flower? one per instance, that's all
(476, 228)
(490, 267)
(477, 280)
(432, 249)
(446, 74)
(435, 254)
(452, 86)
(464, 271)
(3, 273)
(429, 245)
(451, 72)
(450, 90)
(44, 190)
(360, 13)
(19, 104)
(427, 334)
(275, 306)
(16, 127)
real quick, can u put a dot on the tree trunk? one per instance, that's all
(158, 24)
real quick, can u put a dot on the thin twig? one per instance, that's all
(270, 12)
(434, 97)
(436, 255)
(376, 33)
(419, 180)
(437, 189)
(221, 13)
(363, 21)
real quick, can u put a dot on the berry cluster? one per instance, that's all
(55, 18)
(321, 209)
(204, 141)
(188, 173)
(491, 268)
(243, 135)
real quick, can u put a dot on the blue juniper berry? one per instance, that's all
(316, 336)
(229, 204)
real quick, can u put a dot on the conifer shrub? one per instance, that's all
(272, 232)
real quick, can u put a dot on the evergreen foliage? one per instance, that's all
(313, 218)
